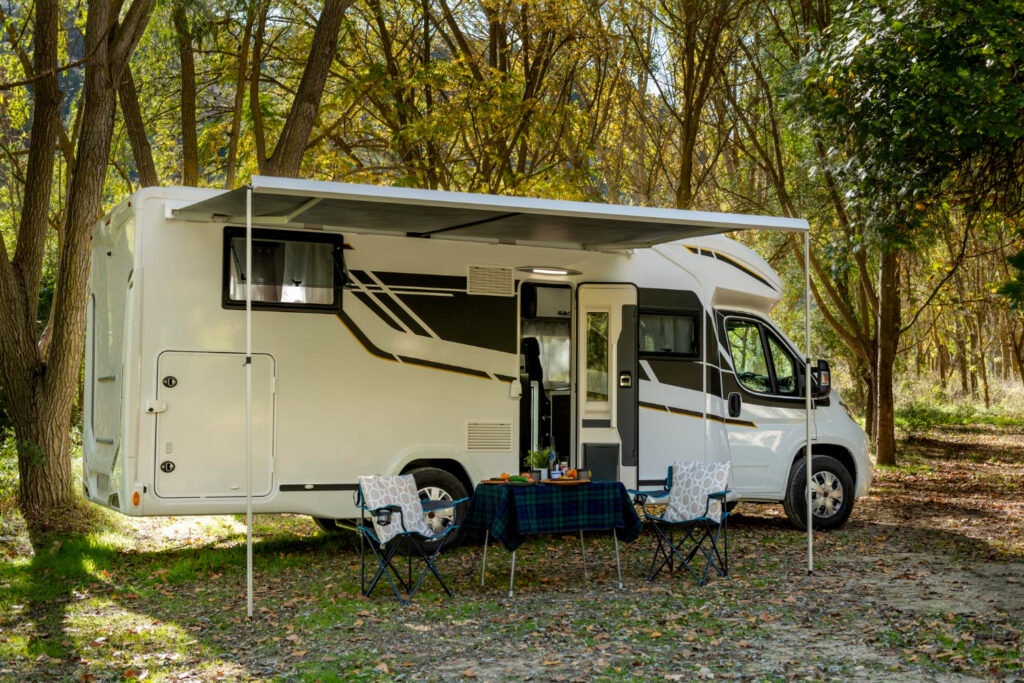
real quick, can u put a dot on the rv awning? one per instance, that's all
(460, 215)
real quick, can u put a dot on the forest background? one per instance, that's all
(895, 128)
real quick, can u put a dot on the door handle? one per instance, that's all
(735, 404)
(625, 379)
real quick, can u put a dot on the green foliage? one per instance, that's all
(540, 459)
(921, 99)
(1012, 288)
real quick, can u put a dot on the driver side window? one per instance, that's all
(748, 357)
(785, 368)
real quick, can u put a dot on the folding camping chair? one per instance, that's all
(695, 507)
(397, 513)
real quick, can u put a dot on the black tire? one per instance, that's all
(836, 477)
(438, 484)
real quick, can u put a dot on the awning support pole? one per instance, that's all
(808, 451)
(248, 401)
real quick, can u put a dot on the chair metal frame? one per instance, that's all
(385, 553)
(696, 533)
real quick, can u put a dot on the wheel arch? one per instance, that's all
(840, 453)
(453, 467)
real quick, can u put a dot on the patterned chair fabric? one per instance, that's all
(692, 481)
(399, 491)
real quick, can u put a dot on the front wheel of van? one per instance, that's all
(438, 485)
(831, 494)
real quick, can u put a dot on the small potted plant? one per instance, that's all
(539, 463)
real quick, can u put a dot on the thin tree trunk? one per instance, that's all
(258, 132)
(239, 103)
(291, 145)
(189, 141)
(142, 152)
(888, 342)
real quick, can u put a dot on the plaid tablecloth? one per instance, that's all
(512, 512)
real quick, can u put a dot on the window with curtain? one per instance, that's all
(669, 334)
(287, 271)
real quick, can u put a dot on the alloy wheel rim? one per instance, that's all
(437, 519)
(826, 495)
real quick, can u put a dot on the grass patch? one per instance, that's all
(923, 415)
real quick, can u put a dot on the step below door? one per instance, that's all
(200, 443)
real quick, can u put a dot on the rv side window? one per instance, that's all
(748, 357)
(784, 366)
(597, 357)
(289, 271)
(668, 334)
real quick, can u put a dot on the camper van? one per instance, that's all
(440, 334)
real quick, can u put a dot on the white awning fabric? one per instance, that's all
(349, 207)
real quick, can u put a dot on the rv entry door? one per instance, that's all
(606, 381)
(200, 434)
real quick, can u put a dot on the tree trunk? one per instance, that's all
(871, 406)
(258, 133)
(142, 152)
(291, 145)
(189, 141)
(888, 342)
(41, 379)
(236, 110)
(982, 359)
(44, 459)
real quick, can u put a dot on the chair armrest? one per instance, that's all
(651, 494)
(392, 508)
(430, 505)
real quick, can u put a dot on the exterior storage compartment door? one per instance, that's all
(200, 435)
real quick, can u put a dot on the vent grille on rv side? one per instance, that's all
(491, 281)
(489, 436)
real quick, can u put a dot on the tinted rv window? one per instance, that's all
(667, 334)
(288, 271)
(785, 367)
(748, 357)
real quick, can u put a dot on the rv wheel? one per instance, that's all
(832, 491)
(437, 484)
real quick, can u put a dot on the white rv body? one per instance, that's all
(421, 365)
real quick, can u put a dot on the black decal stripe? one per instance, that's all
(442, 366)
(380, 353)
(319, 487)
(422, 280)
(748, 271)
(693, 413)
(363, 339)
(377, 310)
(504, 378)
(725, 259)
(393, 306)
(642, 374)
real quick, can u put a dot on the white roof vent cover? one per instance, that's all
(491, 281)
(488, 436)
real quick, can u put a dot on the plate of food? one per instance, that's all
(510, 480)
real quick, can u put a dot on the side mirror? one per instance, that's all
(822, 378)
